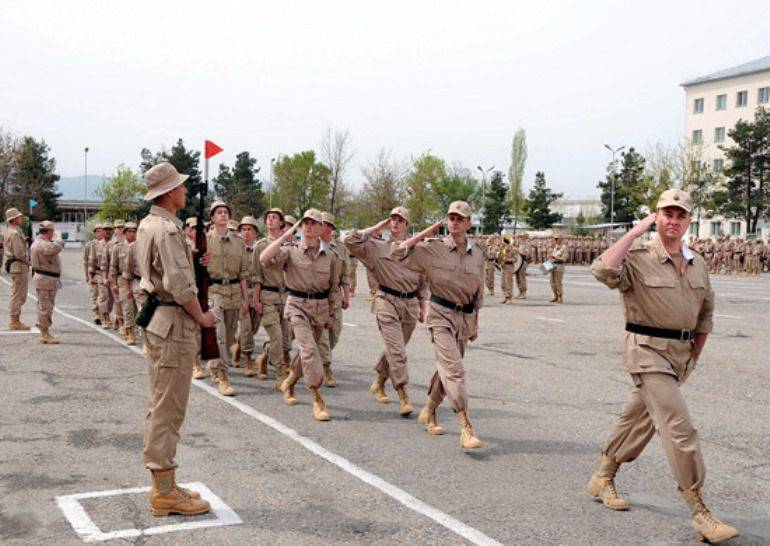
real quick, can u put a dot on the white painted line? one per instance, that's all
(728, 316)
(549, 319)
(445, 520)
(88, 531)
(350, 324)
(7, 332)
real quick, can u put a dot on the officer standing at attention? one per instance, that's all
(16, 258)
(165, 262)
(312, 272)
(668, 305)
(507, 256)
(46, 268)
(558, 257)
(127, 301)
(88, 250)
(521, 274)
(454, 269)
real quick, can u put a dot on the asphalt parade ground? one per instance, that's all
(545, 385)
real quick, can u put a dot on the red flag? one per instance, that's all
(211, 149)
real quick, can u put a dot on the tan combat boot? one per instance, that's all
(427, 418)
(602, 485)
(405, 408)
(106, 322)
(262, 366)
(212, 371)
(329, 376)
(319, 407)
(521, 296)
(130, 337)
(281, 373)
(248, 365)
(46, 338)
(167, 498)
(378, 389)
(468, 439)
(287, 386)
(117, 325)
(235, 354)
(198, 372)
(706, 526)
(225, 388)
(16, 324)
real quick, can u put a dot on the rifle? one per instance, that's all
(209, 347)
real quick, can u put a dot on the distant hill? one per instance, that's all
(73, 188)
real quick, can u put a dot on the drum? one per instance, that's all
(518, 263)
(546, 267)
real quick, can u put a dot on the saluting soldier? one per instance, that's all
(454, 269)
(228, 269)
(312, 272)
(46, 268)
(17, 261)
(330, 337)
(248, 230)
(399, 304)
(558, 255)
(668, 305)
(507, 256)
(171, 337)
(88, 250)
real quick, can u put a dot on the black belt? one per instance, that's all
(273, 289)
(46, 273)
(681, 335)
(225, 282)
(168, 304)
(137, 277)
(398, 293)
(468, 308)
(491, 259)
(309, 295)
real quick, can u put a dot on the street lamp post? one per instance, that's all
(613, 151)
(85, 197)
(483, 193)
(270, 195)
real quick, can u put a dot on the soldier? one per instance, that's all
(228, 268)
(668, 304)
(88, 250)
(759, 255)
(249, 230)
(165, 262)
(137, 295)
(490, 259)
(119, 227)
(125, 292)
(557, 256)
(46, 269)
(399, 304)
(118, 254)
(100, 266)
(521, 275)
(454, 269)
(353, 275)
(330, 337)
(17, 263)
(507, 256)
(270, 301)
(312, 273)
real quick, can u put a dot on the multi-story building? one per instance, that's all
(714, 103)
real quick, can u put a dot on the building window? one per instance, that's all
(716, 228)
(697, 136)
(741, 99)
(718, 165)
(697, 107)
(719, 134)
(763, 96)
(721, 102)
(735, 228)
(694, 229)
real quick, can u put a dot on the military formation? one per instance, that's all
(295, 281)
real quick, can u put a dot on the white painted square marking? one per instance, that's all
(88, 531)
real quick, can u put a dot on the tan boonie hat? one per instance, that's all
(107, 225)
(277, 211)
(97, 226)
(289, 219)
(403, 212)
(675, 198)
(232, 225)
(131, 225)
(45, 225)
(216, 204)
(460, 207)
(313, 214)
(249, 221)
(328, 218)
(12, 213)
(192, 221)
(162, 178)
(119, 223)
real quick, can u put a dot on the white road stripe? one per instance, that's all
(445, 520)
(728, 316)
(350, 324)
(549, 319)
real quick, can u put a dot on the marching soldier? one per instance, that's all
(454, 269)
(668, 304)
(119, 227)
(507, 256)
(17, 262)
(490, 258)
(118, 254)
(400, 302)
(46, 268)
(171, 337)
(558, 255)
(124, 281)
(249, 230)
(312, 272)
(100, 267)
(88, 250)
(521, 274)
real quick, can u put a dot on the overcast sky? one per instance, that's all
(456, 78)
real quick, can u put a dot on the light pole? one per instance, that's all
(613, 151)
(85, 197)
(270, 195)
(483, 193)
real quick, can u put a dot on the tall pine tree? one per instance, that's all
(240, 186)
(631, 187)
(185, 161)
(35, 178)
(538, 206)
(496, 210)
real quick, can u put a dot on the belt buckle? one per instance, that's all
(403, 295)
(225, 282)
(685, 335)
(459, 307)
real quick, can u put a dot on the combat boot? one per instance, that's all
(560, 299)
(106, 322)
(167, 498)
(117, 324)
(262, 366)
(225, 388)
(378, 389)
(427, 418)
(212, 371)
(198, 372)
(248, 365)
(521, 296)
(602, 485)
(468, 439)
(287, 386)
(329, 376)
(281, 373)
(319, 407)
(235, 354)
(707, 527)
(405, 408)
(46, 338)
(130, 337)
(16, 324)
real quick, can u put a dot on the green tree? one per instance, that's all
(538, 206)
(631, 185)
(382, 191)
(35, 178)
(240, 186)
(496, 210)
(121, 195)
(516, 174)
(301, 183)
(186, 161)
(456, 185)
(427, 170)
(579, 229)
(9, 145)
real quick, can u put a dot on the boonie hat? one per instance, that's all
(403, 212)
(46, 225)
(12, 213)
(275, 210)
(162, 178)
(313, 214)
(119, 223)
(328, 218)
(249, 221)
(131, 225)
(216, 204)
(460, 207)
(675, 198)
(107, 225)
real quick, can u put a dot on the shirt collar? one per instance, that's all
(450, 243)
(163, 213)
(664, 255)
(321, 246)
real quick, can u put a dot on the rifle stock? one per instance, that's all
(209, 347)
